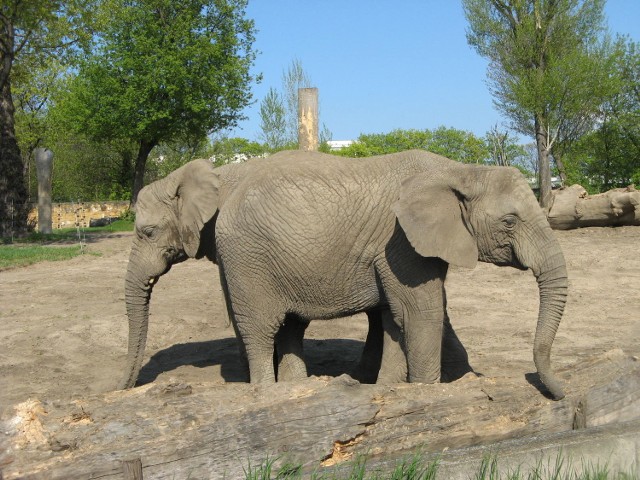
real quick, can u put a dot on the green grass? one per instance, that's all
(62, 244)
(415, 468)
(71, 234)
(12, 256)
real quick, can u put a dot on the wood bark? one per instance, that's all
(144, 149)
(308, 119)
(216, 431)
(573, 208)
(13, 190)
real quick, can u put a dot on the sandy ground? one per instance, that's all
(63, 324)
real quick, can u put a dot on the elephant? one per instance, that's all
(175, 221)
(307, 235)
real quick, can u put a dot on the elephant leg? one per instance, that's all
(414, 288)
(244, 361)
(259, 341)
(256, 332)
(289, 356)
(393, 368)
(455, 361)
(369, 365)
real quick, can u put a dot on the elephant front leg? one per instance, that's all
(414, 288)
(455, 360)
(423, 340)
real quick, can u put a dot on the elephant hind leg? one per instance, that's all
(289, 357)
(369, 365)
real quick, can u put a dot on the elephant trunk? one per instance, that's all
(139, 282)
(551, 276)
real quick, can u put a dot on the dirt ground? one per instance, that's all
(63, 324)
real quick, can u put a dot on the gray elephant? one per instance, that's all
(308, 236)
(175, 221)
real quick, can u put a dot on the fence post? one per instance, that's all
(308, 119)
(132, 469)
(44, 164)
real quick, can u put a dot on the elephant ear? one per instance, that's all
(433, 216)
(198, 201)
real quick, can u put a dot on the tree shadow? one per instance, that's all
(331, 357)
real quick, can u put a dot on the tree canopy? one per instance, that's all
(547, 70)
(609, 155)
(161, 71)
(452, 143)
(31, 34)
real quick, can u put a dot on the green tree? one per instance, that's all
(452, 143)
(293, 79)
(86, 170)
(548, 72)
(458, 145)
(609, 156)
(273, 120)
(31, 33)
(505, 151)
(164, 70)
(228, 150)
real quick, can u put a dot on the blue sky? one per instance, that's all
(381, 64)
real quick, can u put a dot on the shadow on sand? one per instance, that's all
(331, 357)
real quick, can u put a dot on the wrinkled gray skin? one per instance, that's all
(175, 221)
(311, 236)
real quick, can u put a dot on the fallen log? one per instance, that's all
(572, 207)
(211, 431)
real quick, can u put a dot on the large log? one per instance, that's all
(573, 208)
(211, 431)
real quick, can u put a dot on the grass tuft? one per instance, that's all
(417, 468)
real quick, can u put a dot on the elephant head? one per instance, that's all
(469, 213)
(174, 221)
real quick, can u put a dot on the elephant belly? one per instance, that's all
(330, 297)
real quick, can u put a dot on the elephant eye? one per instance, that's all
(510, 221)
(147, 231)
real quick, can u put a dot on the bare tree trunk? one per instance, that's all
(141, 164)
(574, 208)
(544, 171)
(562, 170)
(13, 192)
(215, 431)
(308, 119)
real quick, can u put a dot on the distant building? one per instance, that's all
(556, 182)
(335, 145)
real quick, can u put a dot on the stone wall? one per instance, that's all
(79, 214)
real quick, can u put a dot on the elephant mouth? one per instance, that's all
(506, 257)
(154, 278)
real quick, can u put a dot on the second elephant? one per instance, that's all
(311, 236)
